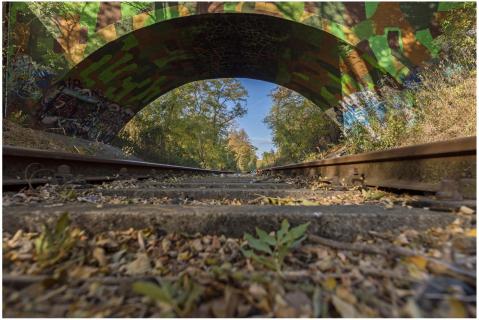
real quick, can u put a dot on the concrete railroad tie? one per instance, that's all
(341, 222)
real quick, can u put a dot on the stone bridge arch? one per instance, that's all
(124, 59)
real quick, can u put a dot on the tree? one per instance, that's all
(268, 159)
(244, 151)
(189, 125)
(300, 128)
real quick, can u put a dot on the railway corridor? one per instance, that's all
(131, 241)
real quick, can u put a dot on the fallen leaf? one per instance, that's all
(346, 295)
(196, 244)
(401, 239)
(330, 283)
(418, 261)
(140, 265)
(82, 272)
(300, 302)
(215, 243)
(471, 233)
(345, 309)
(457, 309)
(257, 291)
(412, 309)
(466, 210)
(141, 241)
(184, 256)
(225, 307)
(99, 255)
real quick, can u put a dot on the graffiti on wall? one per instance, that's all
(123, 55)
(26, 81)
(29, 80)
(78, 111)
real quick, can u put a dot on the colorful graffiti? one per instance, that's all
(123, 55)
(76, 110)
(29, 79)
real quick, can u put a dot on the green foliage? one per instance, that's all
(458, 38)
(190, 125)
(300, 128)
(274, 247)
(55, 244)
(50, 11)
(379, 133)
(244, 151)
(18, 117)
(176, 298)
(373, 194)
(68, 195)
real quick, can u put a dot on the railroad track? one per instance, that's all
(447, 168)
(24, 167)
(194, 205)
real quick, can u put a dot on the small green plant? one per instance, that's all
(276, 245)
(68, 194)
(54, 244)
(373, 194)
(176, 298)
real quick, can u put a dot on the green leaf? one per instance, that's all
(265, 237)
(153, 291)
(247, 253)
(257, 244)
(297, 232)
(317, 302)
(297, 242)
(193, 295)
(62, 224)
(40, 244)
(266, 261)
(284, 230)
(282, 252)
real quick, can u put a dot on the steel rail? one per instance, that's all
(16, 161)
(422, 167)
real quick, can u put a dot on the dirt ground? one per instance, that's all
(16, 135)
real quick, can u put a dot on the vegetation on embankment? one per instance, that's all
(16, 135)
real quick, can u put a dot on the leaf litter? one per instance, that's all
(65, 272)
(51, 195)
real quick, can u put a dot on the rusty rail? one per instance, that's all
(447, 168)
(20, 166)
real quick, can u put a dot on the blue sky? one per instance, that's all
(258, 105)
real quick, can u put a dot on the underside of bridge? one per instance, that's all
(323, 51)
(108, 87)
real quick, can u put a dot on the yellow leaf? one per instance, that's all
(471, 233)
(184, 256)
(457, 310)
(330, 283)
(418, 261)
(309, 203)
